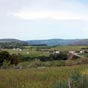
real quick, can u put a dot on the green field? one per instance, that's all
(37, 74)
(37, 77)
(68, 48)
(33, 49)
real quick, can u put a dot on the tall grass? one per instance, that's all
(76, 80)
(56, 77)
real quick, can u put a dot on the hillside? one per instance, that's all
(82, 42)
(12, 43)
(10, 40)
(53, 42)
(49, 42)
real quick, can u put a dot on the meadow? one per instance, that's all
(53, 74)
(38, 77)
(39, 50)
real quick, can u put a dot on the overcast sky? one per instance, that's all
(43, 19)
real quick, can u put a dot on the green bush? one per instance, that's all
(47, 64)
(6, 64)
(26, 58)
(14, 59)
(25, 64)
(43, 58)
(4, 55)
(56, 56)
(36, 63)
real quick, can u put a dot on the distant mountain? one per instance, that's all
(49, 42)
(10, 40)
(12, 43)
(81, 42)
(54, 42)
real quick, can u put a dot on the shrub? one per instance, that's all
(6, 64)
(26, 58)
(14, 59)
(47, 64)
(35, 63)
(43, 58)
(4, 55)
(56, 56)
(73, 62)
(63, 56)
(24, 64)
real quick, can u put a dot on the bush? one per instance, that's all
(36, 63)
(26, 58)
(56, 56)
(73, 62)
(24, 64)
(4, 55)
(43, 58)
(14, 59)
(63, 56)
(6, 64)
(7, 59)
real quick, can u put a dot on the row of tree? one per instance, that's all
(10, 45)
(15, 59)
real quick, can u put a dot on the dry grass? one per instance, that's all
(36, 77)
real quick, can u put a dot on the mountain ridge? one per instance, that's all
(53, 42)
(49, 42)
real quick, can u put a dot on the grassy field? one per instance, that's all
(41, 76)
(32, 49)
(68, 48)
(37, 77)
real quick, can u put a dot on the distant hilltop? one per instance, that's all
(54, 42)
(49, 42)
(9, 40)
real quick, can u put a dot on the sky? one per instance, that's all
(44, 19)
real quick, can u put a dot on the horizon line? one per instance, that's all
(47, 39)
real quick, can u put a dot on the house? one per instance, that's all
(56, 52)
(82, 51)
(73, 55)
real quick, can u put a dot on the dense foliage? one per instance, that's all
(6, 57)
(11, 45)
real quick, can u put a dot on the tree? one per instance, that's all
(14, 59)
(4, 55)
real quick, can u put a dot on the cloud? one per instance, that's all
(56, 15)
(64, 10)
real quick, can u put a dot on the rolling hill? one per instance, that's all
(49, 42)
(53, 42)
(10, 40)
